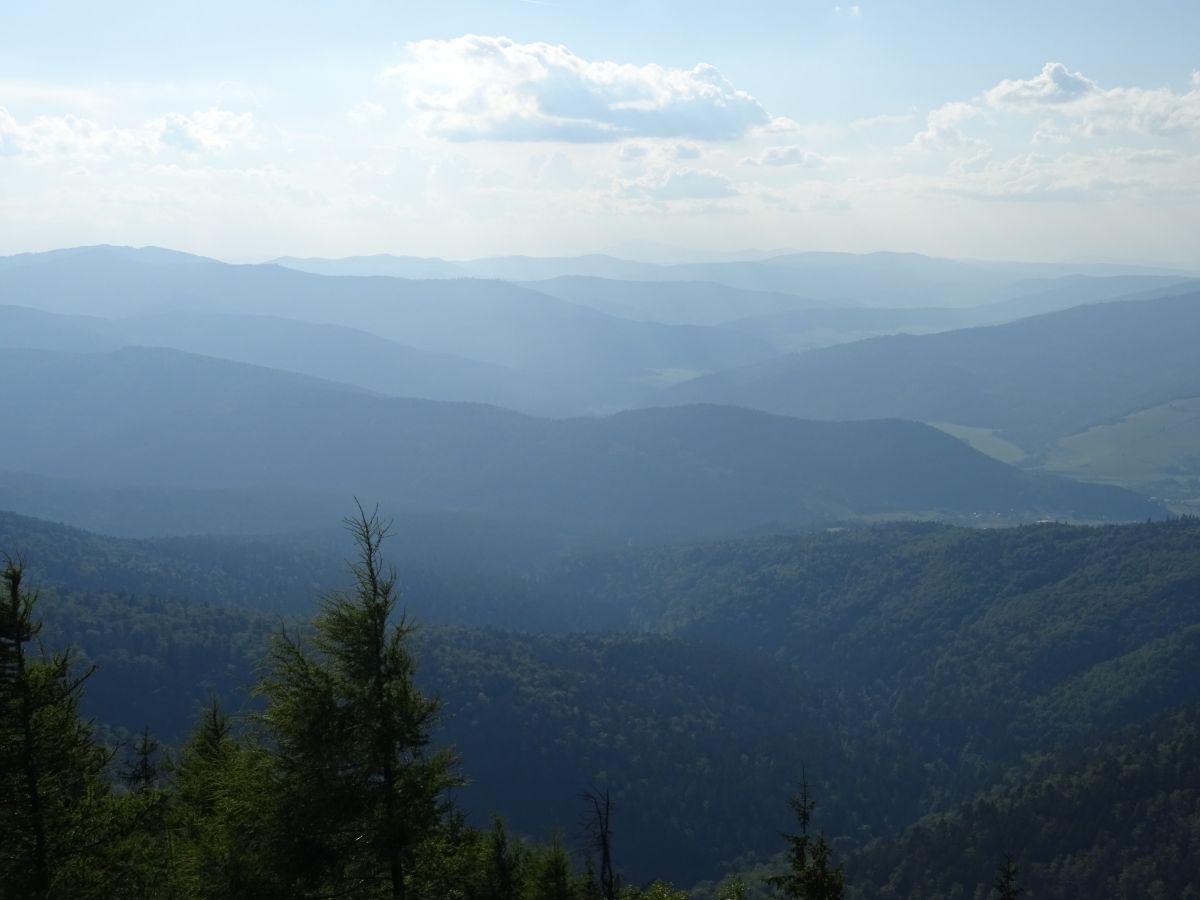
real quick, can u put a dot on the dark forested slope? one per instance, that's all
(911, 668)
(990, 641)
(1115, 819)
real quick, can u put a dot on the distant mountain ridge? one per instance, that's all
(329, 352)
(492, 322)
(832, 279)
(1035, 379)
(159, 418)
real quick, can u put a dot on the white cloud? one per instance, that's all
(787, 156)
(1097, 110)
(1050, 132)
(854, 11)
(63, 136)
(1076, 177)
(71, 137)
(632, 152)
(213, 130)
(1067, 105)
(1054, 85)
(943, 128)
(680, 184)
(492, 88)
(779, 125)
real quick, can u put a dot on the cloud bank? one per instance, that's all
(72, 137)
(476, 88)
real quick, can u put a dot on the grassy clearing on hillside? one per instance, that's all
(1155, 449)
(985, 440)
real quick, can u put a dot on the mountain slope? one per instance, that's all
(323, 351)
(978, 645)
(159, 418)
(1034, 379)
(1115, 820)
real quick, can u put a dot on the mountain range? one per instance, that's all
(1035, 380)
(154, 418)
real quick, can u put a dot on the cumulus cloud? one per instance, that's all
(787, 156)
(63, 136)
(492, 88)
(1098, 110)
(203, 132)
(1054, 85)
(944, 128)
(1067, 105)
(71, 137)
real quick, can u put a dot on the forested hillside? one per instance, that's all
(915, 670)
(1114, 819)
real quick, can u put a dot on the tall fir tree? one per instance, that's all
(359, 791)
(813, 874)
(59, 818)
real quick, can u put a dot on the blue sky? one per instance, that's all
(247, 130)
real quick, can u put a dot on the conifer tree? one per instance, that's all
(223, 818)
(1006, 880)
(552, 880)
(57, 817)
(812, 875)
(504, 865)
(359, 792)
(142, 774)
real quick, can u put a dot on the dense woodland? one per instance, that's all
(951, 697)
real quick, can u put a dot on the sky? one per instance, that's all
(248, 130)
